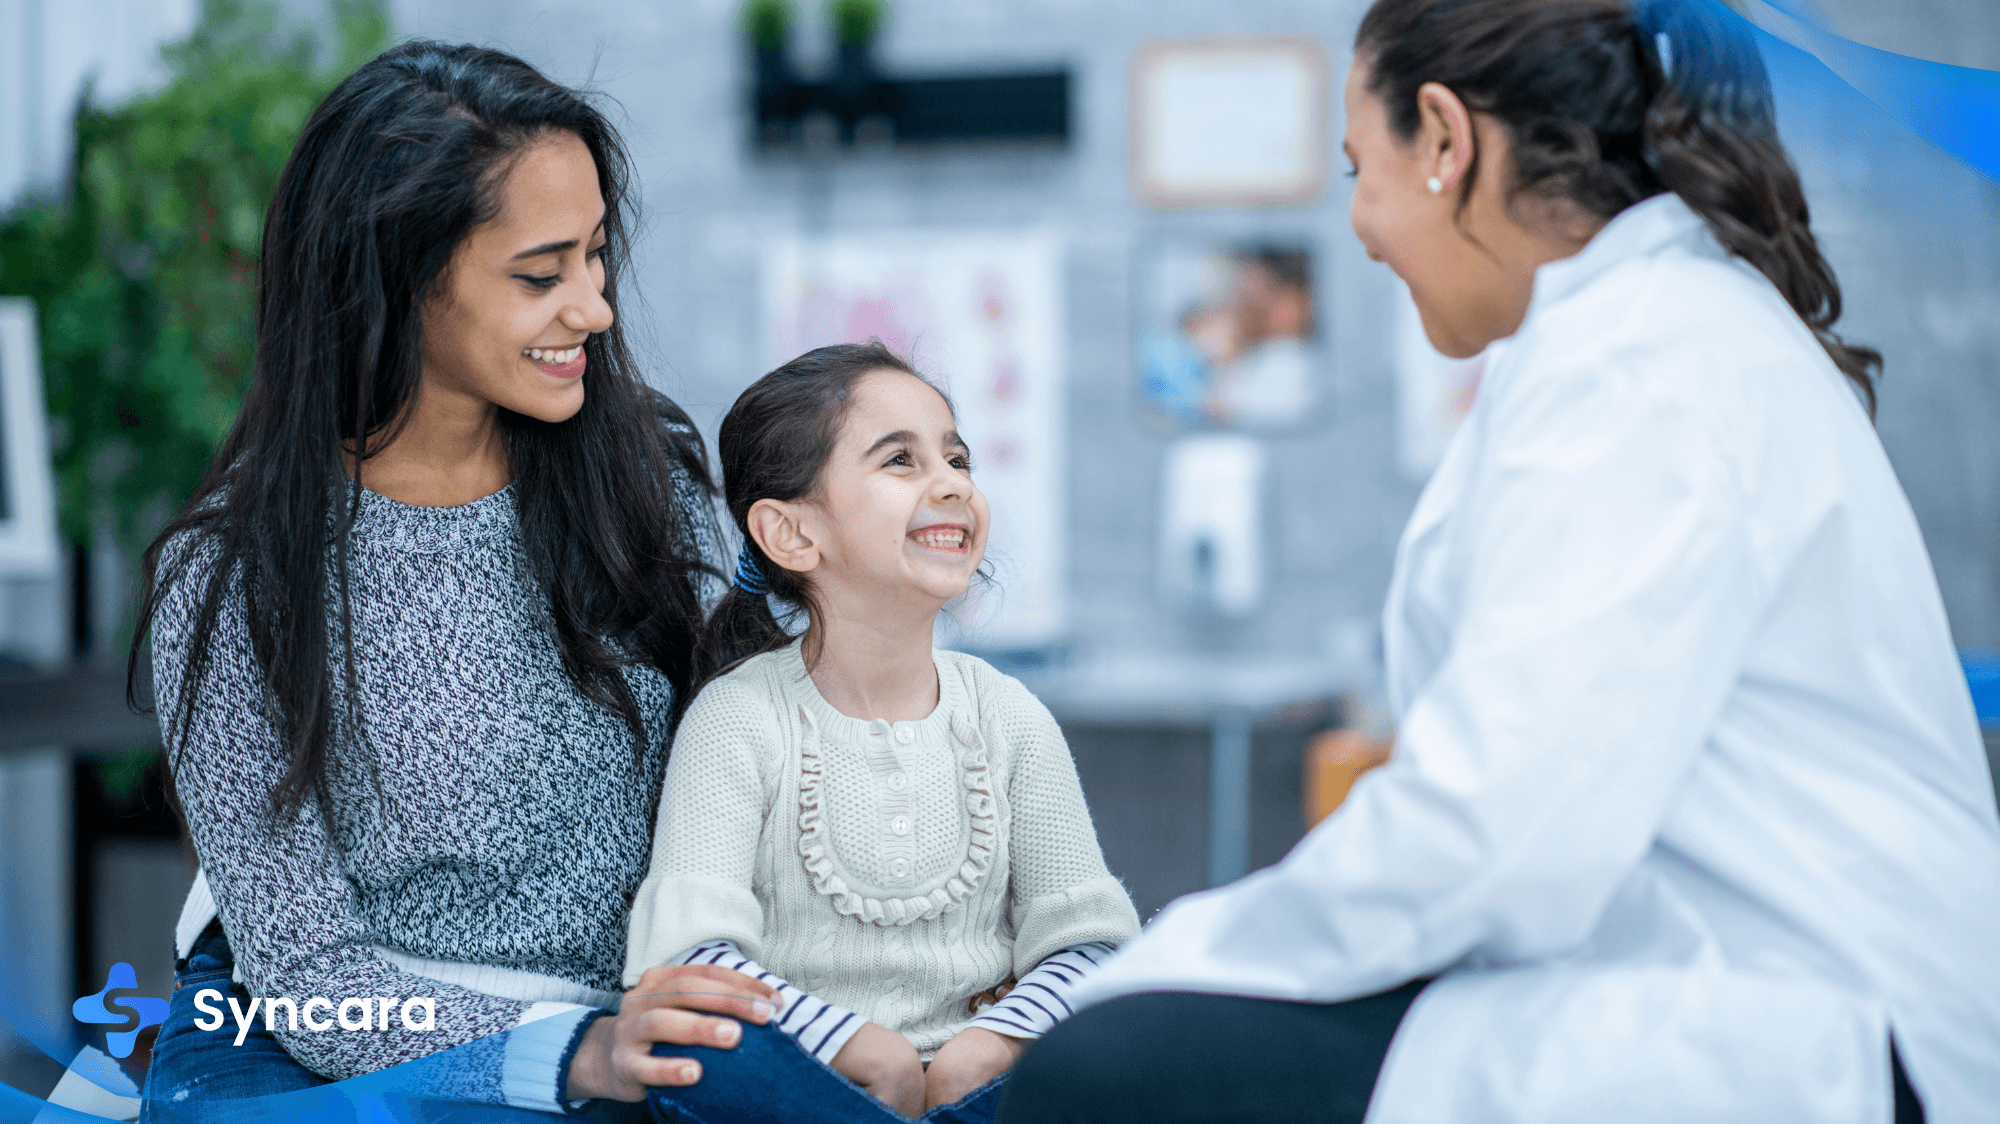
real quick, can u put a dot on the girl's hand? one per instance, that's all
(615, 1059)
(885, 1064)
(973, 1057)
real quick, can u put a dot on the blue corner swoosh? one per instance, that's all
(1955, 108)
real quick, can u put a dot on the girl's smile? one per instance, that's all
(947, 538)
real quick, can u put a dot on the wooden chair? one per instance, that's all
(1335, 759)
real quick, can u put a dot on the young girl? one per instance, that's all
(886, 832)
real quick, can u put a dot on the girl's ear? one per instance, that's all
(779, 533)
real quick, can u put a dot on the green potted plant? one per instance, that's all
(767, 24)
(855, 22)
(144, 268)
(856, 86)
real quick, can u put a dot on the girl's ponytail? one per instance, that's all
(773, 443)
(1711, 137)
(741, 625)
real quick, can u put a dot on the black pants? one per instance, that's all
(1179, 1058)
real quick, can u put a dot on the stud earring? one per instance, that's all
(1435, 184)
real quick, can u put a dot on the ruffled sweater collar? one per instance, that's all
(950, 723)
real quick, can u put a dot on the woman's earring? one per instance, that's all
(1435, 184)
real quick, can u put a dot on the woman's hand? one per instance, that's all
(615, 1059)
(973, 1057)
(884, 1063)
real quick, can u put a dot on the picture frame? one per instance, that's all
(28, 540)
(1230, 121)
(1228, 332)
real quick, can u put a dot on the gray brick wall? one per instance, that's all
(1915, 236)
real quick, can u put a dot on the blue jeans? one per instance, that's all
(202, 1077)
(792, 1087)
(192, 1069)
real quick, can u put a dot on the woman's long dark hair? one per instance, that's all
(773, 443)
(1607, 103)
(394, 169)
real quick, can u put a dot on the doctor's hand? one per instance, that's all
(973, 1057)
(615, 1059)
(885, 1064)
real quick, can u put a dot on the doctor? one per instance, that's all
(1689, 818)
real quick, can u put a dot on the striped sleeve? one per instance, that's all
(819, 1026)
(1041, 999)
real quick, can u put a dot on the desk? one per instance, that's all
(1229, 695)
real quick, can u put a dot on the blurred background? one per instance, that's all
(1115, 229)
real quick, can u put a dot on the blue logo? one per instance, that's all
(91, 1009)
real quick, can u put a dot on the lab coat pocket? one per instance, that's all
(1583, 1044)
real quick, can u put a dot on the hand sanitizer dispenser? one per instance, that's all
(1211, 551)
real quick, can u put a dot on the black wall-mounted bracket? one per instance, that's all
(864, 105)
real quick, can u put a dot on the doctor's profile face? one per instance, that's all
(1467, 295)
(1399, 221)
(507, 318)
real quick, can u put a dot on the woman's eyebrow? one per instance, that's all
(556, 247)
(545, 248)
(899, 437)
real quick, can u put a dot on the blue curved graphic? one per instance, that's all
(1955, 108)
(91, 1009)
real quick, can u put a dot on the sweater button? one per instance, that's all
(899, 868)
(906, 735)
(900, 825)
(898, 781)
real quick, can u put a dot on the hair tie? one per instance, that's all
(750, 572)
(1666, 49)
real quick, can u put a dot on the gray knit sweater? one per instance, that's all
(516, 822)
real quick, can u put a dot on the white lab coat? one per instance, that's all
(1688, 806)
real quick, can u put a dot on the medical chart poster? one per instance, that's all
(981, 314)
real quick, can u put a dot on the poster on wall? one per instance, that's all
(979, 313)
(1228, 336)
(1433, 392)
(1229, 121)
(27, 480)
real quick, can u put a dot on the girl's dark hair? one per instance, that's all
(1607, 103)
(399, 163)
(773, 443)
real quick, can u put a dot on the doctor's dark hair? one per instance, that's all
(392, 172)
(1607, 103)
(773, 445)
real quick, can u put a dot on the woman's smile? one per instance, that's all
(563, 363)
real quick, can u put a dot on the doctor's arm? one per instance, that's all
(1610, 584)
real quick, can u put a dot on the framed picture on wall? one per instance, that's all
(1229, 335)
(1230, 122)
(27, 480)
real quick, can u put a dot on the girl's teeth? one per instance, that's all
(555, 358)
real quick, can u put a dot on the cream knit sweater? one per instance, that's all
(895, 869)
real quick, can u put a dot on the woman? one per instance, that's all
(1689, 816)
(419, 639)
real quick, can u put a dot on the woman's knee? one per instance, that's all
(1092, 1065)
